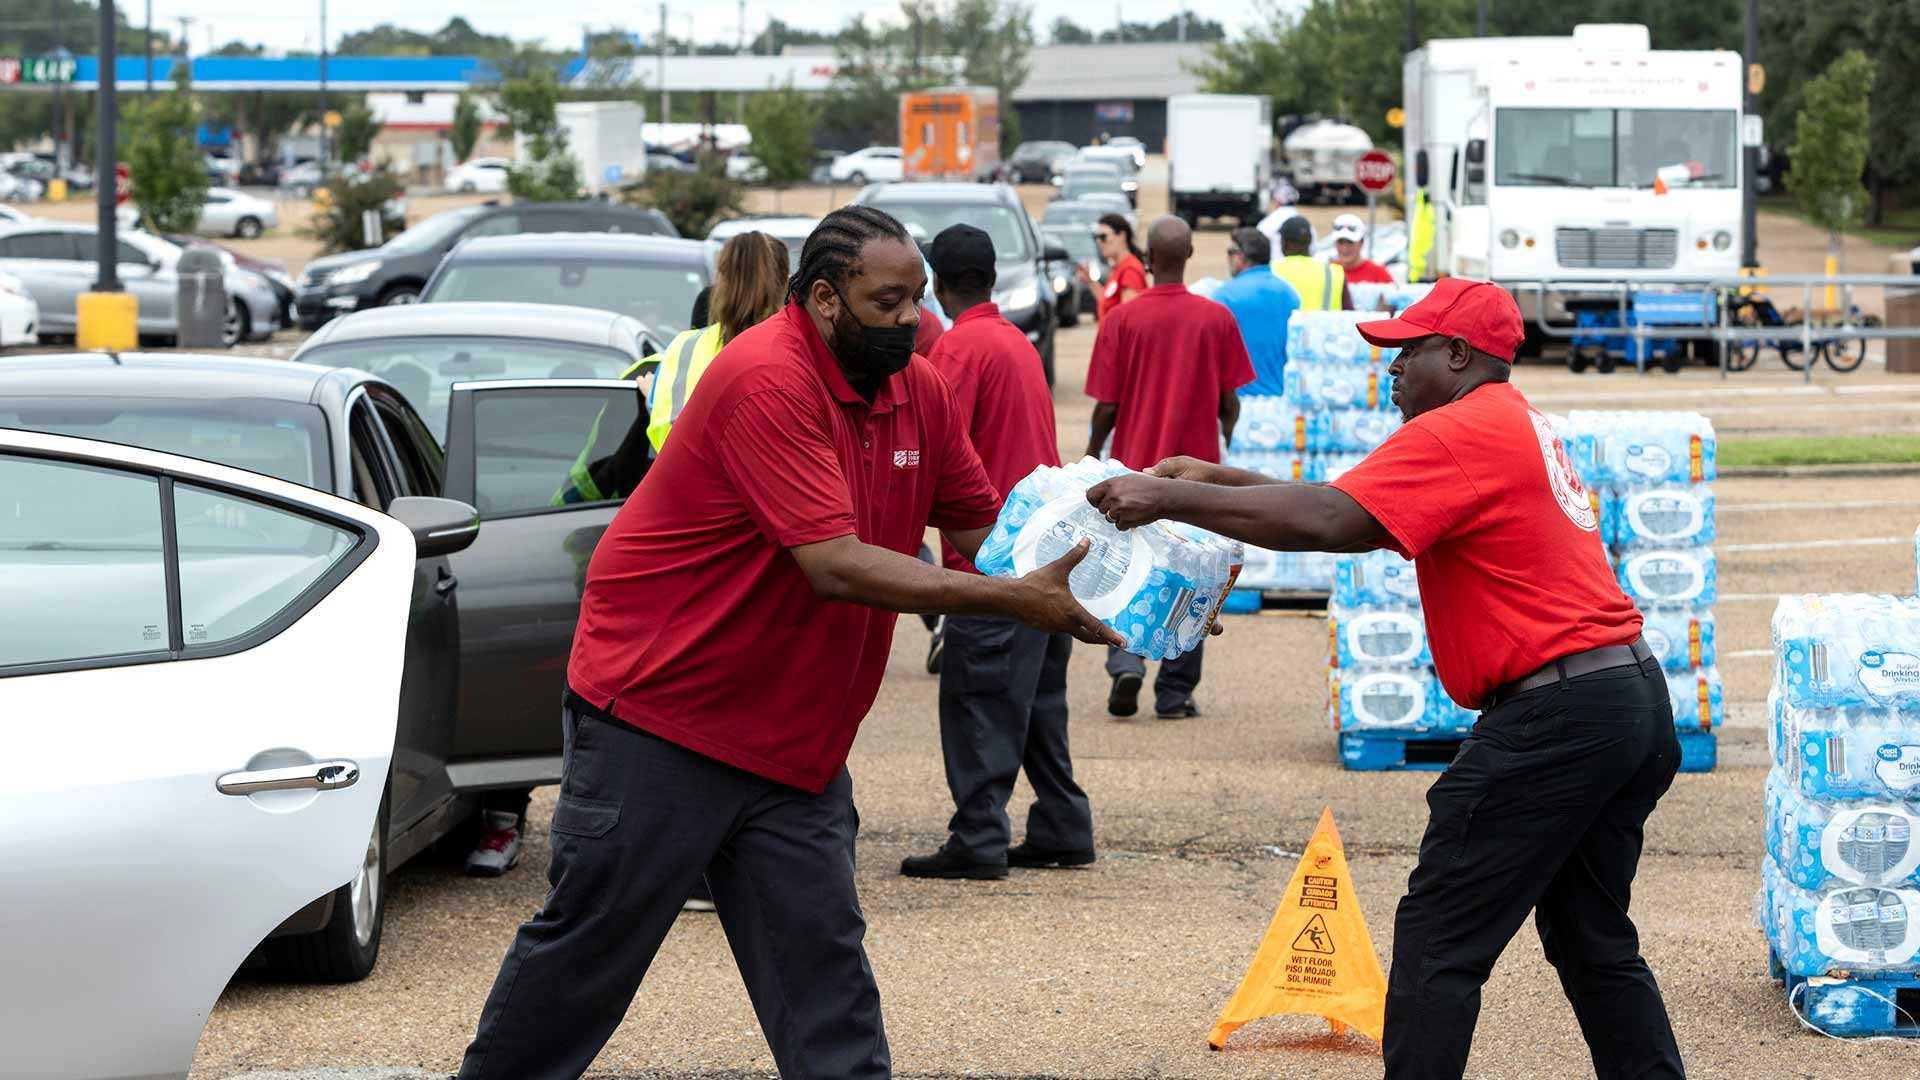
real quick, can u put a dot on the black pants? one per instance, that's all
(638, 820)
(1003, 707)
(1542, 810)
(1173, 687)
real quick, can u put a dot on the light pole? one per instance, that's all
(106, 157)
(149, 47)
(1750, 243)
(325, 155)
(59, 129)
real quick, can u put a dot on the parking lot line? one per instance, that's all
(1800, 545)
(1725, 507)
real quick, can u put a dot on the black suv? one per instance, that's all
(395, 272)
(1025, 261)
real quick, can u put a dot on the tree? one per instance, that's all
(1895, 125)
(169, 176)
(1067, 32)
(694, 200)
(338, 224)
(781, 124)
(864, 99)
(464, 132)
(547, 171)
(1830, 142)
(994, 39)
(357, 130)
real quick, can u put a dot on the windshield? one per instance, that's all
(659, 295)
(1615, 147)
(432, 232)
(927, 220)
(281, 439)
(424, 369)
(1099, 183)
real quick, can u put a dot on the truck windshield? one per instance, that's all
(1614, 147)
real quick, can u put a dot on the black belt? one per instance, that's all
(1572, 666)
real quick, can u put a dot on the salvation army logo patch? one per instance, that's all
(1561, 479)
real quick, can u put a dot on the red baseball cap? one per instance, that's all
(1479, 311)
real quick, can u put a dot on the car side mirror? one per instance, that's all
(439, 526)
(1476, 151)
(1054, 251)
(1420, 169)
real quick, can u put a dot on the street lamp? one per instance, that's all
(325, 155)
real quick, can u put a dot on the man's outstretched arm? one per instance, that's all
(1279, 516)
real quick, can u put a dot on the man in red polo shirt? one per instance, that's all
(1166, 372)
(1542, 809)
(735, 626)
(1003, 686)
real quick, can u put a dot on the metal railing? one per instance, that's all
(1805, 333)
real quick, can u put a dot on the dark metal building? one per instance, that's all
(1077, 92)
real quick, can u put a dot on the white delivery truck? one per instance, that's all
(1219, 155)
(1319, 157)
(605, 137)
(1589, 158)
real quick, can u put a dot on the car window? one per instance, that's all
(527, 442)
(421, 463)
(127, 253)
(243, 562)
(424, 369)
(924, 221)
(660, 295)
(438, 230)
(496, 225)
(81, 563)
(373, 484)
(215, 198)
(45, 245)
(279, 438)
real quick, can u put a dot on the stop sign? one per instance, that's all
(1373, 171)
(122, 184)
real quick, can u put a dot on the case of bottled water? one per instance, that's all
(1667, 515)
(1382, 699)
(1670, 577)
(1371, 296)
(1319, 384)
(1682, 638)
(1848, 649)
(1333, 337)
(1377, 637)
(1380, 665)
(1698, 699)
(1159, 585)
(1377, 578)
(1843, 927)
(1622, 449)
(1817, 843)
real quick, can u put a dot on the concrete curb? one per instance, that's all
(1884, 468)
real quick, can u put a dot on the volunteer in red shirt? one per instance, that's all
(1349, 238)
(733, 632)
(1003, 686)
(1543, 807)
(1126, 275)
(1165, 373)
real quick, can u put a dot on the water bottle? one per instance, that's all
(1665, 515)
(1670, 577)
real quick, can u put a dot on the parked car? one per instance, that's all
(395, 272)
(1022, 261)
(19, 313)
(1034, 162)
(745, 168)
(1081, 251)
(660, 162)
(229, 212)
(56, 262)
(1134, 146)
(1084, 177)
(873, 165)
(791, 231)
(301, 178)
(654, 279)
(487, 175)
(138, 884)
(13, 215)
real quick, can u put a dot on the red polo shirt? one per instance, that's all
(929, 332)
(1368, 272)
(1165, 359)
(1504, 539)
(698, 625)
(1001, 396)
(1127, 274)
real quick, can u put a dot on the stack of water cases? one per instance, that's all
(1840, 895)
(1383, 699)
(1335, 410)
(1649, 476)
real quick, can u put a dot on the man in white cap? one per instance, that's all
(1349, 237)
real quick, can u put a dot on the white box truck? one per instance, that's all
(605, 138)
(1588, 158)
(1219, 155)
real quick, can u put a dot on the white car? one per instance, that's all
(13, 215)
(19, 313)
(745, 168)
(874, 165)
(194, 621)
(486, 175)
(229, 212)
(1138, 148)
(791, 231)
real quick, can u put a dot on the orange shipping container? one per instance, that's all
(951, 133)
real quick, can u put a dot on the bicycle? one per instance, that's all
(1755, 310)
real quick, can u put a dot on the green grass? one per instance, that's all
(1824, 450)
(1902, 228)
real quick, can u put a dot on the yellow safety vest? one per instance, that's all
(1321, 285)
(681, 365)
(1420, 236)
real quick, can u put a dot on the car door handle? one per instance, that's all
(446, 584)
(319, 776)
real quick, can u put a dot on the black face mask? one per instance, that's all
(870, 354)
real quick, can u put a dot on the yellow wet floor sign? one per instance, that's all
(1317, 957)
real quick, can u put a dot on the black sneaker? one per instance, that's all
(1027, 856)
(1124, 698)
(937, 645)
(1185, 710)
(947, 863)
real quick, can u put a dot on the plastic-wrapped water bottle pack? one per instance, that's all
(1380, 666)
(1848, 649)
(1625, 449)
(1817, 843)
(1845, 928)
(1159, 585)
(1370, 296)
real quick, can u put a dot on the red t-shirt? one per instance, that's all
(1368, 272)
(698, 625)
(928, 333)
(1165, 360)
(1503, 537)
(1000, 394)
(1127, 274)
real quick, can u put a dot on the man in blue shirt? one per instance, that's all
(1261, 303)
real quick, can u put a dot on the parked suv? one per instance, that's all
(395, 272)
(1035, 162)
(1024, 261)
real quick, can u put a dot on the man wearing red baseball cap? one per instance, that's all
(1543, 807)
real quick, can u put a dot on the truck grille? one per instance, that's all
(1616, 249)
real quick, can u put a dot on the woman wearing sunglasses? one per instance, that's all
(1128, 276)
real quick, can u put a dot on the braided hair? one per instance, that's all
(833, 247)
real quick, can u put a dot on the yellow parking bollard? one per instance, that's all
(56, 190)
(108, 322)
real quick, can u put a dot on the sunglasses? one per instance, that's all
(1103, 237)
(1231, 250)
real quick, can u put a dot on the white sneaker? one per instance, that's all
(499, 846)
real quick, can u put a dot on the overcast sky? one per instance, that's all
(559, 22)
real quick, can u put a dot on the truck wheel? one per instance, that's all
(1577, 360)
(346, 949)
(1605, 362)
